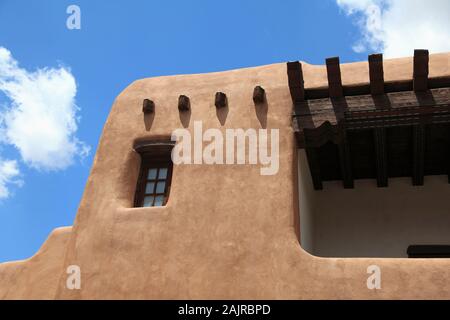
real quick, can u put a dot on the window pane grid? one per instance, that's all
(155, 193)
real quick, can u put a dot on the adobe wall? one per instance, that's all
(38, 276)
(227, 232)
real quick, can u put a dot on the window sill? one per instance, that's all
(142, 214)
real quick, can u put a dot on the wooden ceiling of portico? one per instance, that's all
(376, 130)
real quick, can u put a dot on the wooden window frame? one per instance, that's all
(154, 155)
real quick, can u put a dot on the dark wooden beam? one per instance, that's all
(148, 106)
(420, 75)
(418, 154)
(184, 103)
(220, 100)
(314, 167)
(428, 251)
(345, 163)
(369, 112)
(344, 158)
(448, 153)
(159, 149)
(259, 95)
(381, 157)
(334, 78)
(295, 80)
(376, 74)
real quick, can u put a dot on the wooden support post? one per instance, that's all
(334, 78)
(314, 168)
(447, 133)
(448, 165)
(420, 81)
(295, 80)
(381, 157)
(345, 163)
(376, 74)
(418, 154)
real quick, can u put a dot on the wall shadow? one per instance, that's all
(261, 112)
(148, 120)
(185, 118)
(222, 114)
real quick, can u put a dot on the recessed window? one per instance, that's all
(156, 186)
(153, 186)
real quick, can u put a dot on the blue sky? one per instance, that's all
(121, 41)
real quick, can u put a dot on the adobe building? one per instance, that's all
(364, 159)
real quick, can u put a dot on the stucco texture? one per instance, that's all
(227, 232)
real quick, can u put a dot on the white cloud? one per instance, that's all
(397, 27)
(41, 119)
(9, 173)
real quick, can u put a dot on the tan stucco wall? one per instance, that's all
(227, 231)
(37, 277)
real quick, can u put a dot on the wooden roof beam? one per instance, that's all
(376, 74)
(184, 104)
(295, 80)
(381, 157)
(420, 75)
(259, 95)
(345, 164)
(418, 154)
(334, 78)
(221, 100)
(148, 106)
